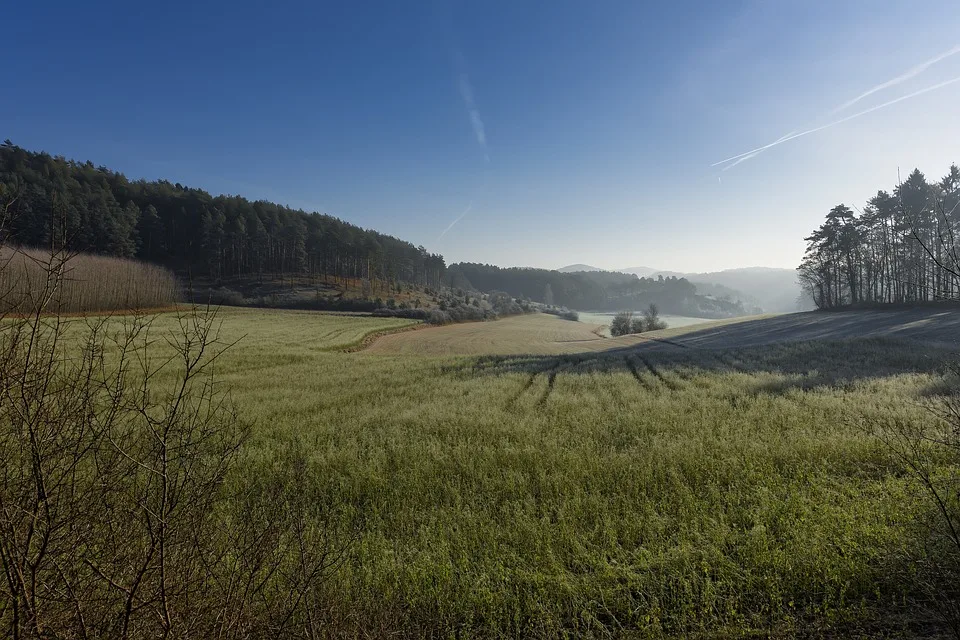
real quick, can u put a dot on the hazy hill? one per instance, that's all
(646, 272)
(768, 288)
(573, 268)
(596, 290)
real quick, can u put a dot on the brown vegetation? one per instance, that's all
(81, 283)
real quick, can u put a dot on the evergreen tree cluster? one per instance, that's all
(98, 210)
(896, 250)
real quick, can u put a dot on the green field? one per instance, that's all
(716, 492)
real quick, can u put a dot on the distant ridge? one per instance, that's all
(578, 267)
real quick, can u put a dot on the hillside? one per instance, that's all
(592, 290)
(204, 238)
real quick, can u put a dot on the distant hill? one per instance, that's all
(771, 289)
(573, 268)
(646, 272)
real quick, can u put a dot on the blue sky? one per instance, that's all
(556, 132)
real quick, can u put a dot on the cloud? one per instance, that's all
(466, 92)
(746, 155)
(459, 218)
(911, 73)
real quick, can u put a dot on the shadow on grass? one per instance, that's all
(932, 325)
(774, 368)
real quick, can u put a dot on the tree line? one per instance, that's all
(95, 209)
(894, 250)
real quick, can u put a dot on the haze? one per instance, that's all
(538, 135)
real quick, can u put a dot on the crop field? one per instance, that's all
(538, 482)
(545, 335)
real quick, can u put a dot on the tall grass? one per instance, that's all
(87, 283)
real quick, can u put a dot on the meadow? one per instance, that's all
(714, 493)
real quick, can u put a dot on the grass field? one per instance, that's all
(729, 491)
(528, 334)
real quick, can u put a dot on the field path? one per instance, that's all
(540, 334)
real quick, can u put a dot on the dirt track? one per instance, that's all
(543, 334)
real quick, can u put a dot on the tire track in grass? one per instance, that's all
(529, 383)
(552, 379)
(637, 375)
(673, 386)
(523, 389)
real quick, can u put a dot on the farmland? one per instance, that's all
(545, 335)
(558, 482)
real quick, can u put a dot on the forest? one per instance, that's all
(895, 250)
(592, 290)
(97, 210)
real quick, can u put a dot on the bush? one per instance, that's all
(566, 314)
(651, 319)
(438, 316)
(85, 430)
(625, 323)
(622, 324)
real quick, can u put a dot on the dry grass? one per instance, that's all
(88, 283)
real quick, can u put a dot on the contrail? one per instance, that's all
(911, 73)
(451, 225)
(466, 92)
(754, 152)
(782, 138)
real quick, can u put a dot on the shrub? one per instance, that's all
(566, 314)
(622, 324)
(132, 499)
(651, 319)
(438, 316)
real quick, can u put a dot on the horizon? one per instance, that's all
(480, 133)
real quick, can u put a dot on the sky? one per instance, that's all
(512, 133)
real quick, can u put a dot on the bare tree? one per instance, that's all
(129, 506)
